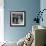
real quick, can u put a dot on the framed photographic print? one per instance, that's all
(17, 18)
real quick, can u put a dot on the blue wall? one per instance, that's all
(43, 6)
(30, 6)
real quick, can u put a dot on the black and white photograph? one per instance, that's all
(17, 18)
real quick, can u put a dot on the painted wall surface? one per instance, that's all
(30, 6)
(43, 6)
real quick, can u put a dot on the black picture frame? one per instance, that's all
(17, 18)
